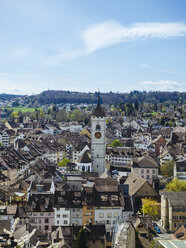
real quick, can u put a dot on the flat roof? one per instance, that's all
(173, 243)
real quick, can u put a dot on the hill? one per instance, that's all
(58, 96)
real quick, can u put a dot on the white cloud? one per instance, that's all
(145, 65)
(108, 33)
(163, 85)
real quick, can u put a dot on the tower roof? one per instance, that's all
(98, 111)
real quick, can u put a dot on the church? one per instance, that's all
(98, 141)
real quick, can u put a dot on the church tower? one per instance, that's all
(98, 141)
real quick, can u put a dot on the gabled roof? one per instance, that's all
(145, 162)
(85, 158)
(106, 185)
(135, 182)
(175, 199)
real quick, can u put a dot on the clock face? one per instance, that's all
(97, 135)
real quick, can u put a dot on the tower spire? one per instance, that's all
(99, 99)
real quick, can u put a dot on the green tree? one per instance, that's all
(14, 115)
(136, 105)
(167, 168)
(116, 143)
(63, 162)
(150, 208)
(176, 185)
(82, 239)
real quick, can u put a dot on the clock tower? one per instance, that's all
(98, 141)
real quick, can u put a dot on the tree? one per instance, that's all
(82, 239)
(150, 207)
(77, 115)
(63, 162)
(136, 105)
(176, 185)
(116, 143)
(14, 115)
(167, 168)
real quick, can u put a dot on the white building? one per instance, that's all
(4, 139)
(107, 216)
(62, 216)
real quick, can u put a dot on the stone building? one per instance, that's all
(98, 141)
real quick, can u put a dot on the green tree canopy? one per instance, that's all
(167, 168)
(63, 162)
(116, 143)
(82, 239)
(150, 208)
(176, 185)
(136, 105)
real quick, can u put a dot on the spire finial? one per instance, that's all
(99, 100)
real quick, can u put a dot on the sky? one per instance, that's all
(91, 45)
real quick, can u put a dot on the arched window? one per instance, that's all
(98, 127)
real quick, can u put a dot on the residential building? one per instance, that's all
(173, 210)
(146, 167)
(140, 188)
(180, 169)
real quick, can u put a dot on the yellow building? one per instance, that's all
(173, 210)
(88, 215)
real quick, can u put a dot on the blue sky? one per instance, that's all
(90, 45)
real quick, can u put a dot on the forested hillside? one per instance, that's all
(56, 97)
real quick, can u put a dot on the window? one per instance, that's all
(41, 214)
(116, 214)
(49, 214)
(147, 176)
(98, 127)
(46, 228)
(101, 215)
(46, 220)
(153, 171)
(88, 213)
(89, 208)
(57, 221)
(109, 215)
(65, 222)
(65, 215)
(58, 215)
(147, 171)
(142, 171)
(175, 217)
(39, 221)
(174, 224)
